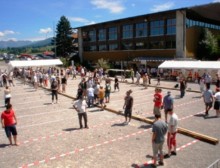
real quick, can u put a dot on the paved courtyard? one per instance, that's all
(49, 136)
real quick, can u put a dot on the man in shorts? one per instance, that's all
(208, 99)
(158, 99)
(172, 131)
(167, 104)
(128, 105)
(101, 97)
(159, 130)
(9, 121)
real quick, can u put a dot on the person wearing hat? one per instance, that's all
(167, 104)
(128, 104)
(80, 106)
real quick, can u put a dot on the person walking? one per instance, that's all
(63, 83)
(159, 130)
(172, 131)
(167, 104)
(208, 99)
(54, 89)
(9, 122)
(116, 85)
(217, 102)
(132, 75)
(128, 105)
(80, 106)
(7, 95)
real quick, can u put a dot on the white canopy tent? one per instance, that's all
(195, 65)
(31, 63)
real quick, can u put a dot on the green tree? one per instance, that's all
(63, 40)
(207, 46)
(102, 63)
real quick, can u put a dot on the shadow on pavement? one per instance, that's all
(71, 129)
(145, 127)
(3, 145)
(119, 124)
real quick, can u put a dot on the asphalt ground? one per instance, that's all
(49, 135)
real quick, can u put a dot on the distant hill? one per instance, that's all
(18, 44)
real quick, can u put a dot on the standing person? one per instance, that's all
(116, 85)
(63, 83)
(217, 102)
(158, 79)
(96, 92)
(208, 79)
(7, 93)
(10, 79)
(167, 104)
(158, 100)
(90, 96)
(159, 130)
(208, 100)
(80, 106)
(128, 105)
(201, 85)
(171, 136)
(138, 76)
(132, 75)
(101, 97)
(145, 80)
(107, 91)
(9, 121)
(182, 87)
(83, 85)
(149, 78)
(54, 89)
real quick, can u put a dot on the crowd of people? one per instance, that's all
(92, 92)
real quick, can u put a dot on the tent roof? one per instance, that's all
(190, 65)
(32, 63)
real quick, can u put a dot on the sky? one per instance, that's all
(37, 19)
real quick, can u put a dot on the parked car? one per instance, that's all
(26, 56)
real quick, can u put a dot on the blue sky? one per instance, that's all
(36, 19)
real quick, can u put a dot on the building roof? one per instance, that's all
(190, 65)
(210, 12)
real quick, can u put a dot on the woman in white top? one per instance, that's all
(217, 102)
(7, 93)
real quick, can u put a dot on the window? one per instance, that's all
(113, 46)
(127, 46)
(191, 23)
(140, 45)
(157, 45)
(141, 30)
(92, 35)
(102, 35)
(102, 48)
(157, 28)
(112, 33)
(127, 31)
(171, 26)
(170, 44)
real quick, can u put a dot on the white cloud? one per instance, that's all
(6, 32)
(38, 38)
(216, 1)
(162, 7)
(114, 6)
(81, 20)
(45, 31)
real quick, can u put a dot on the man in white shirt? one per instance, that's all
(171, 136)
(90, 96)
(80, 106)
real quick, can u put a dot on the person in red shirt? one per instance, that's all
(157, 101)
(9, 121)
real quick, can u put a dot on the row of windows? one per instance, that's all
(133, 46)
(191, 23)
(155, 28)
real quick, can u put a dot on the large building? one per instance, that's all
(152, 37)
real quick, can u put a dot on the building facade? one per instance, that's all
(159, 36)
